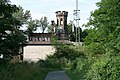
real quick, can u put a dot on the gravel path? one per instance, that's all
(57, 75)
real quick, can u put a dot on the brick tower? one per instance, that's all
(61, 21)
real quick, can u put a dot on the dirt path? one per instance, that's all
(57, 75)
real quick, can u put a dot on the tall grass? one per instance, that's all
(23, 71)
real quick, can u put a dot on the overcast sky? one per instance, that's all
(40, 8)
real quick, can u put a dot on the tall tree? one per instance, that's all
(11, 37)
(106, 22)
(105, 35)
(32, 26)
(81, 34)
(43, 23)
(22, 16)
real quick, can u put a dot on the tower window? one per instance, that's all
(61, 21)
(57, 22)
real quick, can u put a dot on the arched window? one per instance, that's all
(57, 22)
(61, 21)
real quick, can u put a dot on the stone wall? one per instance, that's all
(36, 52)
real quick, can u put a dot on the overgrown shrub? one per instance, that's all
(65, 56)
(94, 49)
(105, 68)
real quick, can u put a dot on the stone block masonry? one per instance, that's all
(36, 52)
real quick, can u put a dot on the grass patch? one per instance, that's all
(23, 71)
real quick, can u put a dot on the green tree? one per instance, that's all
(32, 26)
(43, 23)
(25, 19)
(72, 34)
(22, 16)
(69, 31)
(51, 28)
(104, 37)
(11, 37)
(106, 22)
(84, 34)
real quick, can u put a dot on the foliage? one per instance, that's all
(11, 37)
(22, 16)
(23, 71)
(65, 56)
(105, 68)
(95, 50)
(106, 24)
(72, 34)
(84, 34)
(98, 59)
(102, 48)
(51, 28)
(43, 23)
(32, 26)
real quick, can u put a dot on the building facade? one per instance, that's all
(39, 44)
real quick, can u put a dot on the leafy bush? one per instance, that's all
(95, 49)
(65, 56)
(105, 68)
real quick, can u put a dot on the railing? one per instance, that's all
(47, 37)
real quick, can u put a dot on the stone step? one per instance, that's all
(57, 75)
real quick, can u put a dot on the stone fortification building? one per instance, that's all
(39, 44)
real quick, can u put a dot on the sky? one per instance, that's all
(47, 8)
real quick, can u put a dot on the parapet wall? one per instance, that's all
(61, 13)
